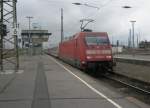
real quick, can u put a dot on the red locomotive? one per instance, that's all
(87, 50)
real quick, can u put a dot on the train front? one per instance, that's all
(98, 51)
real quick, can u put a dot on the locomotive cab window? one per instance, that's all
(96, 40)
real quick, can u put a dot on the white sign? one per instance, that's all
(15, 31)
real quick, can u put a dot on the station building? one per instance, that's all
(33, 40)
(144, 44)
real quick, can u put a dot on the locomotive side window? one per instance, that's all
(96, 40)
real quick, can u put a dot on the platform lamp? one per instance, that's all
(85, 4)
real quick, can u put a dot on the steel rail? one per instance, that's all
(135, 87)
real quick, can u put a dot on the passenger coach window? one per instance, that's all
(96, 40)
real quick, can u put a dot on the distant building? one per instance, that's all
(34, 39)
(144, 44)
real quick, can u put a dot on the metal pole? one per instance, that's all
(133, 22)
(130, 42)
(62, 29)
(137, 40)
(139, 37)
(29, 37)
(30, 40)
(15, 33)
(133, 34)
(112, 40)
(1, 33)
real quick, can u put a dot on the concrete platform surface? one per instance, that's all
(48, 83)
(133, 66)
(133, 57)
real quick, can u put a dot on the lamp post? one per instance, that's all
(126, 7)
(62, 25)
(133, 22)
(85, 4)
(30, 40)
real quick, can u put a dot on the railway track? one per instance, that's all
(138, 86)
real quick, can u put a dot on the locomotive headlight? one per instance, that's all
(83, 62)
(88, 57)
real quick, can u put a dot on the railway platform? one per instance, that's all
(133, 57)
(133, 66)
(44, 82)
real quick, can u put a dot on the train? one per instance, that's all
(87, 51)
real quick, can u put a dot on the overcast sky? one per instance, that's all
(111, 17)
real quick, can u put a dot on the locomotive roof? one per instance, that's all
(102, 33)
(85, 33)
(89, 33)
